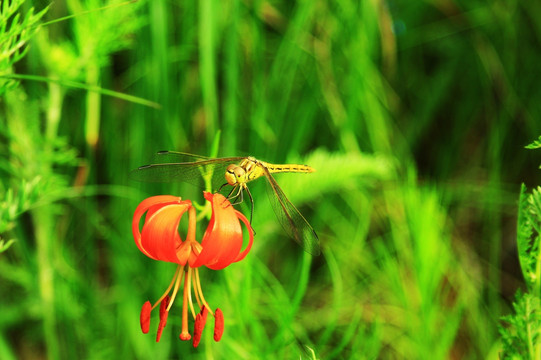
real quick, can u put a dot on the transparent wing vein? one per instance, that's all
(294, 224)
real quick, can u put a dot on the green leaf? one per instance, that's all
(4, 245)
(535, 145)
(91, 88)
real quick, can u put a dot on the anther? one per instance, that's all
(145, 317)
(199, 325)
(163, 316)
(218, 324)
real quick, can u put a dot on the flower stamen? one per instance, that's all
(199, 325)
(218, 325)
(190, 272)
(195, 281)
(163, 316)
(199, 291)
(177, 285)
(145, 317)
(168, 288)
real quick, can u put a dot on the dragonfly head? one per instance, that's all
(235, 175)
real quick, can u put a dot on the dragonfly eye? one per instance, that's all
(234, 174)
(239, 172)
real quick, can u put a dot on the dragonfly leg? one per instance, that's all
(221, 187)
(252, 204)
(231, 192)
(241, 193)
(235, 197)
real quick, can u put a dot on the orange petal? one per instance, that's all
(160, 238)
(144, 206)
(243, 254)
(223, 238)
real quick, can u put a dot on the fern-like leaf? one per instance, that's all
(15, 33)
(522, 333)
(524, 233)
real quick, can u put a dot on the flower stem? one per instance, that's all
(46, 276)
(189, 286)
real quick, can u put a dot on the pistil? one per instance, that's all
(185, 335)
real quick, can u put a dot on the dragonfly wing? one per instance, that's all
(176, 157)
(172, 166)
(294, 224)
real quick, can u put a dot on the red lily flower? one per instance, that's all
(160, 240)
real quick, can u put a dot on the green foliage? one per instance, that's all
(528, 236)
(14, 204)
(534, 145)
(15, 32)
(348, 170)
(4, 245)
(521, 336)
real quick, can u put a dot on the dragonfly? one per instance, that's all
(172, 166)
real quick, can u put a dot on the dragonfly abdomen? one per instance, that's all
(277, 168)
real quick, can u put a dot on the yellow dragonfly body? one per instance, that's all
(238, 171)
(250, 169)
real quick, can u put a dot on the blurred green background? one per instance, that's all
(415, 115)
